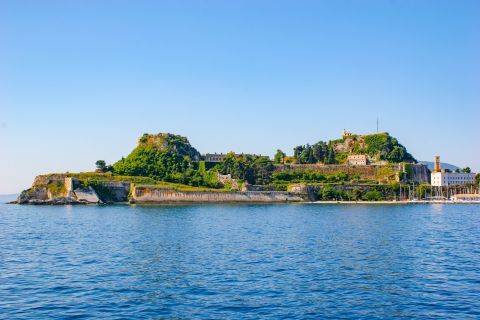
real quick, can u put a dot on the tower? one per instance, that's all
(437, 167)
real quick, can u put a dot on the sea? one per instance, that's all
(250, 261)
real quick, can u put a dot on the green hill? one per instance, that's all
(379, 146)
(161, 156)
(171, 143)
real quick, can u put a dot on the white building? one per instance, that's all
(441, 178)
(444, 179)
(358, 159)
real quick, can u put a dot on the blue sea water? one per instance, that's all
(293, 261)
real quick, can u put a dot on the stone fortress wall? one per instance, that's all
(157, 194)
(419, 172)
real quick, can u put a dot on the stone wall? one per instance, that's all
(119, 190)
(381, 173)
(157, 194)
(365, 172)
(87, 195)
(420, 173)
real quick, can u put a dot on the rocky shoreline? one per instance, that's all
(61, 189)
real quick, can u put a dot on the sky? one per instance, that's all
(82, 80)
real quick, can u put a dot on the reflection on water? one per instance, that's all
(246, 261)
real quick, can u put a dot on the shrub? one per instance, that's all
(374, 195)
(327, 193)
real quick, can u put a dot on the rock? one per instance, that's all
(304, 190)
(225, 179)
(87, 195)
(34, 193)
(23, 197)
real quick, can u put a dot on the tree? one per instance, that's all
(388, 148)
(253, 169)
(328, 193)
(297, 151)
(466, 170)
(330, 157)
(477, 178)
(357, 194)
(310, 154)
(319, 151)
(305, 155)
(397, 154)
(101, 165)
(279, 156)
(374, 195)
(263, 169)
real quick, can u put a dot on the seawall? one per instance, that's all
(158, 195)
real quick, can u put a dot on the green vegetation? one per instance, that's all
(383, 147)
(171, 158)
(253, 169)
(104, 193)
(279, 156)
(169, 161)
(102, 166)
(373, 195)
(109, 176)
(320, 152)
(182, 187)
(165, 157)
(422, 190)
(366, 192)
(329, 193)
(307, 176)
(380, 146)
(170, 143)
(389, 173)
(356, 194)
(56, 188)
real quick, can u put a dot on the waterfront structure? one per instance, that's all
(358, 159)
(466, 197)
(442, 178)
(445, 179)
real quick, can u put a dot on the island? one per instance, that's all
(166, 168)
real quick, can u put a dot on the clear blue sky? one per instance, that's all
(81, 80)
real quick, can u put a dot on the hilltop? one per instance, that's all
(170, 143)
(162, 156)
(378, 147)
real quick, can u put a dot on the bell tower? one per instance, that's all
(437, 167)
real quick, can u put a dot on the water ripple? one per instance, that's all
(246, 261)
